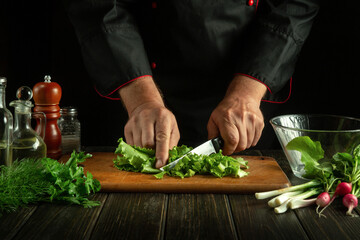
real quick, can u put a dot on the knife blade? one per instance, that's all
(211, 146)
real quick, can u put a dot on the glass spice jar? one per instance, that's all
(70, 130)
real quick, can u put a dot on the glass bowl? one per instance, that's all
(335, 134)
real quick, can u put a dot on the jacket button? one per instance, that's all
(251, 2)
(154, 5)
(153, 65)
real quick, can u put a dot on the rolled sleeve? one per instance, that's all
(275, 40)
(110, 41)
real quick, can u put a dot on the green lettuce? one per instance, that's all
(136, 159)
(341, 167)
(311, 152)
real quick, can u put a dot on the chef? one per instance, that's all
(190, 70)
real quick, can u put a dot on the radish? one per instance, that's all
(342, 189)
(350, 201)
(321, 201)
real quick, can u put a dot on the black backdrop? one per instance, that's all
(37, 39)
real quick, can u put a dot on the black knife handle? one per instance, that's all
(218, 143)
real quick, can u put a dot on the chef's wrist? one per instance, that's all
(140, 92)
(244, 87)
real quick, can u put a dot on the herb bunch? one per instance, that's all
(30, 181)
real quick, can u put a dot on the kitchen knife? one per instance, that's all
(207, 148)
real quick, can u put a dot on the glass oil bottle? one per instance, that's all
(26, 142)
(6, 125)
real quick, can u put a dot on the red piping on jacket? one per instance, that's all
(107, 96)
(288, 97)
(110, 98)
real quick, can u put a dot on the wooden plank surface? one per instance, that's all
(255, 220)
(199, 216)
(11, 223)
(265, 174)
(336, 225)
(58, 221)
(132, 216)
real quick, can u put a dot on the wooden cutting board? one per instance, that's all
(265, 174)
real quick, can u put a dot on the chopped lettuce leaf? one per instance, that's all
(134, 158)
(138, 159)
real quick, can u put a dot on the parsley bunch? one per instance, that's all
(30, 181)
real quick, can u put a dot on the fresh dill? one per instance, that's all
(30, 181)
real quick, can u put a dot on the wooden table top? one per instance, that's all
(180, 216)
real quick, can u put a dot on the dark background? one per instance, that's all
(37, 39)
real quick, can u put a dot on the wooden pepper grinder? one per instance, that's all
(47, 96)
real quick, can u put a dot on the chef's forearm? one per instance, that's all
(138, 92)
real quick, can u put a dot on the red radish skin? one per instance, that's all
(321, 201)
(350, 201)
(342, 189)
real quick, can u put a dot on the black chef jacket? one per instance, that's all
(192, 48)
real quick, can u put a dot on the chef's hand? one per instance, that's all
(150, 123)
(238, 118)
